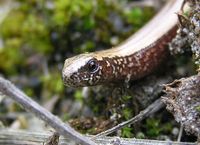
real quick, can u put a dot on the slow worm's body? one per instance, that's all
(135, 58)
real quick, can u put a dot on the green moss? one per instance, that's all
(65, 10)
(65, 117)
(11, 58)
(36, 35)
(88, 23)
(88, 46)
(29, 91)
(22, 33)
(138, 16)
(197, 108)
(127, 98)
(11, 26)
(78, 95)
(153, 127)
(127, 132)
(127, 113)
(52, 83)
(140, 135)
(167, 128)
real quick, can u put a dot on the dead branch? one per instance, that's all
(19, 137)
(183, 100)
(8, 89)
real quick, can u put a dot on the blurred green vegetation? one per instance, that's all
(154, 127)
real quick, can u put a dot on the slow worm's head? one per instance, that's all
(82, 70)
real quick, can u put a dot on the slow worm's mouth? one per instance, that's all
(71, 81)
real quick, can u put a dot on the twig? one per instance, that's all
(154, 107)
(62, 128)
(21, 137)
(180, 133)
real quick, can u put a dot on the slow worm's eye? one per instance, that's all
(93, 66)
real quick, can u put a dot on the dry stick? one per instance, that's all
(151, 109)
(22, 137)
(180, 133)
(8, 89)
